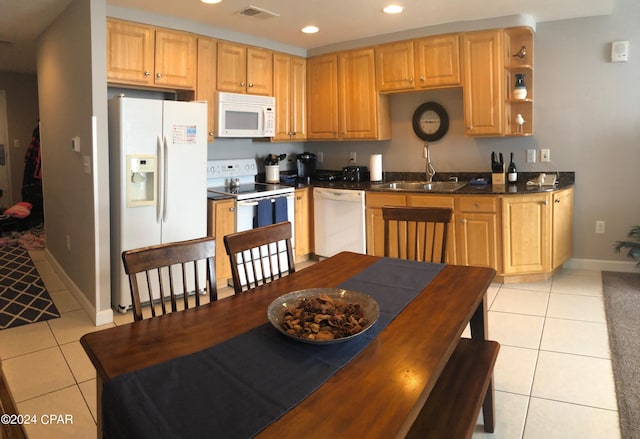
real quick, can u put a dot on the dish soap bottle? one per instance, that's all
(512, 171)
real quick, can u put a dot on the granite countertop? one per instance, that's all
(566, 180)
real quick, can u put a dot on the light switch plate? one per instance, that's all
(531, 155)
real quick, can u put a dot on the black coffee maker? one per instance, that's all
(306, 166)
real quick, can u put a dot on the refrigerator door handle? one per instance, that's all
(165, 178)
(160, 195)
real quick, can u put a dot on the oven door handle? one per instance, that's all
(249, 203)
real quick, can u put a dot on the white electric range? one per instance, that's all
(236, 178)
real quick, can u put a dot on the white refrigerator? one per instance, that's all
(158, 178)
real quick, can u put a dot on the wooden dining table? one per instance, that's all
(378, 394)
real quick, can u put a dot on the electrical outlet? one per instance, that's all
(600, 227)
(545, 155)
(531, 155)
(352, 157)
(321, 157)
(68, 242)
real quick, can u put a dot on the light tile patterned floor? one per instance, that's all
(553, 376)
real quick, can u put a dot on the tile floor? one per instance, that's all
(553, 377)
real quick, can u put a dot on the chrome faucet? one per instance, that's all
(429, 168)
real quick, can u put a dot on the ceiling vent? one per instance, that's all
(254, 11)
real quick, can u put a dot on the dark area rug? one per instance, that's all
(622, 307)
(23, 296)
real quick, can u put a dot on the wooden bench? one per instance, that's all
(452, 409)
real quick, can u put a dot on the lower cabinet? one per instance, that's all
(303, 222)
(375, 223)
(221, 222)
(476, 230)
(523, 237)
(526, 233)
(439, 201)
(562, 229)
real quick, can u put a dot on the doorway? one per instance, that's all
(6, 199)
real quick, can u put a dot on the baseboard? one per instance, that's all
(99, 317)
(602, 265)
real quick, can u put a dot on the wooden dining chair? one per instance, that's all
(161, 274)
(260, 255)
(417, 233)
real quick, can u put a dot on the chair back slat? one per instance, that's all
(420, 232)
(154, 274)
(260, 255)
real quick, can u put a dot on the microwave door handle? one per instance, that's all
(159, 188)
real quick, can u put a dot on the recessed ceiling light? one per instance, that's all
(393, 9)
(310, 29)
(211, 2)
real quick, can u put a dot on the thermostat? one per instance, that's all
(619, 51)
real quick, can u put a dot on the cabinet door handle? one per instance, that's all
(422, 78)
(232, 209)
(545, 202)
(251, 84)
(147, 73)
(211, 133)
(242, 84)
(463, 221)
(411, 80)
(557, 201)
(158, 75)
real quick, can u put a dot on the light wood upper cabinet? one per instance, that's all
(430, 62)
(483, 83)
(343, 101)
(322, 97)
(130, 52)
(206, 80)
(357, 97)
(395, 69)
(144, 55)
(289, 89)
(437, 61)
(243, 69)
(516, 63)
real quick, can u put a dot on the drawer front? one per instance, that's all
(476, 204)
(386, 199)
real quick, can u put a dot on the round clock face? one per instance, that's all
(430, 121)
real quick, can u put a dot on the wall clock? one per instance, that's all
(430, 121)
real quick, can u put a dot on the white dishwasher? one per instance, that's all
(339, 221)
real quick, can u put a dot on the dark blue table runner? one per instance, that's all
(238, 387)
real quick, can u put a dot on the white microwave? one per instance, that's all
(243, 115)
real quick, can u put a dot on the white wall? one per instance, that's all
(76, 202)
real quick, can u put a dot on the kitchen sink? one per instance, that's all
(421, 186)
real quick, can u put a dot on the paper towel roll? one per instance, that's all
(375, 167)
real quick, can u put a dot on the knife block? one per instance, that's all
(497, 178)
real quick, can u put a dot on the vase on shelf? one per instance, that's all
(520, 89)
